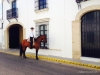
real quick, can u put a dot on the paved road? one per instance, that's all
(14, 65)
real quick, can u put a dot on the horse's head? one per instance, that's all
(43, 37)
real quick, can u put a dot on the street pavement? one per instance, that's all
(15, 65)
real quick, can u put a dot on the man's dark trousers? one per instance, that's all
(31, 42)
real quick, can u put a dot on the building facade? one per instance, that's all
(72, 27)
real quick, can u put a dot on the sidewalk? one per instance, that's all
(83, 63)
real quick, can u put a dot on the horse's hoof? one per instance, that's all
(20, 55)
(37, 58)
(25, 57)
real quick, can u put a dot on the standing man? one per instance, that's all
(31, 37)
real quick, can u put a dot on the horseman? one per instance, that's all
(31, 38)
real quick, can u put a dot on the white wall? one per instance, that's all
(1, 33)
(1, 38)
(71, 10)
(56, 27)
(61, 14)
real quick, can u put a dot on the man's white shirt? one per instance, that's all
(31, 34)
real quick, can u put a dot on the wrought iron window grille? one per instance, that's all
(41, 4)
(43, 30)
(12, 13)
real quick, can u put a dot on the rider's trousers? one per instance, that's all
(31, 42)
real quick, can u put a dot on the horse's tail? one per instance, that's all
(21, 49)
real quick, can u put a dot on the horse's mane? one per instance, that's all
(34, 38)
(37, 38)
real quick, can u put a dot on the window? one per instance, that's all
(13, 12)
(42, 29)
(14, 9)
(40, 4)
(14, 4)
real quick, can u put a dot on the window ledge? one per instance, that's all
(41, 20)
(42, 10)
(51, 49)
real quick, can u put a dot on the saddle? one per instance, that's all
(28, 40)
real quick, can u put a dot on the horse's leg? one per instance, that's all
(21, 50)
(24, 52)
(37, 54)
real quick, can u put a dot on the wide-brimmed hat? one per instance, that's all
(32, 28)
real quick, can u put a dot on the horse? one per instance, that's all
(37, 41)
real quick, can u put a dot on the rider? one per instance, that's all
(31, 37)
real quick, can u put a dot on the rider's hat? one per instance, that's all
(32, 28)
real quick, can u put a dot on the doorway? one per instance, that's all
(15, 36)
(90, 30)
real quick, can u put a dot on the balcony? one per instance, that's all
(12, 13)
(78, 1)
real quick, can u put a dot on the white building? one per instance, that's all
(71, 32)
(1, 33)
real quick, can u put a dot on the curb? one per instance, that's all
(65, 61)
(58, 60)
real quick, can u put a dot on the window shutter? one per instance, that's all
(36, 3)
(37, 30)
(9, 14)
(15, 12)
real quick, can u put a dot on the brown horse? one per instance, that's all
(24, 44)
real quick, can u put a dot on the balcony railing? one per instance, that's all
(12, 13)
(78, 1)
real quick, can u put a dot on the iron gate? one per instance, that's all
(90, 34)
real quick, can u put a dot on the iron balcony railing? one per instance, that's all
(78, 1)
(12, 13)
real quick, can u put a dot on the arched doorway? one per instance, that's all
(76, 31)
(90, 34)
(15, 35)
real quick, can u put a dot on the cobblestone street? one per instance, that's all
(14, 65)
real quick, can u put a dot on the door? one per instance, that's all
(14, 36)
(90, 34)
